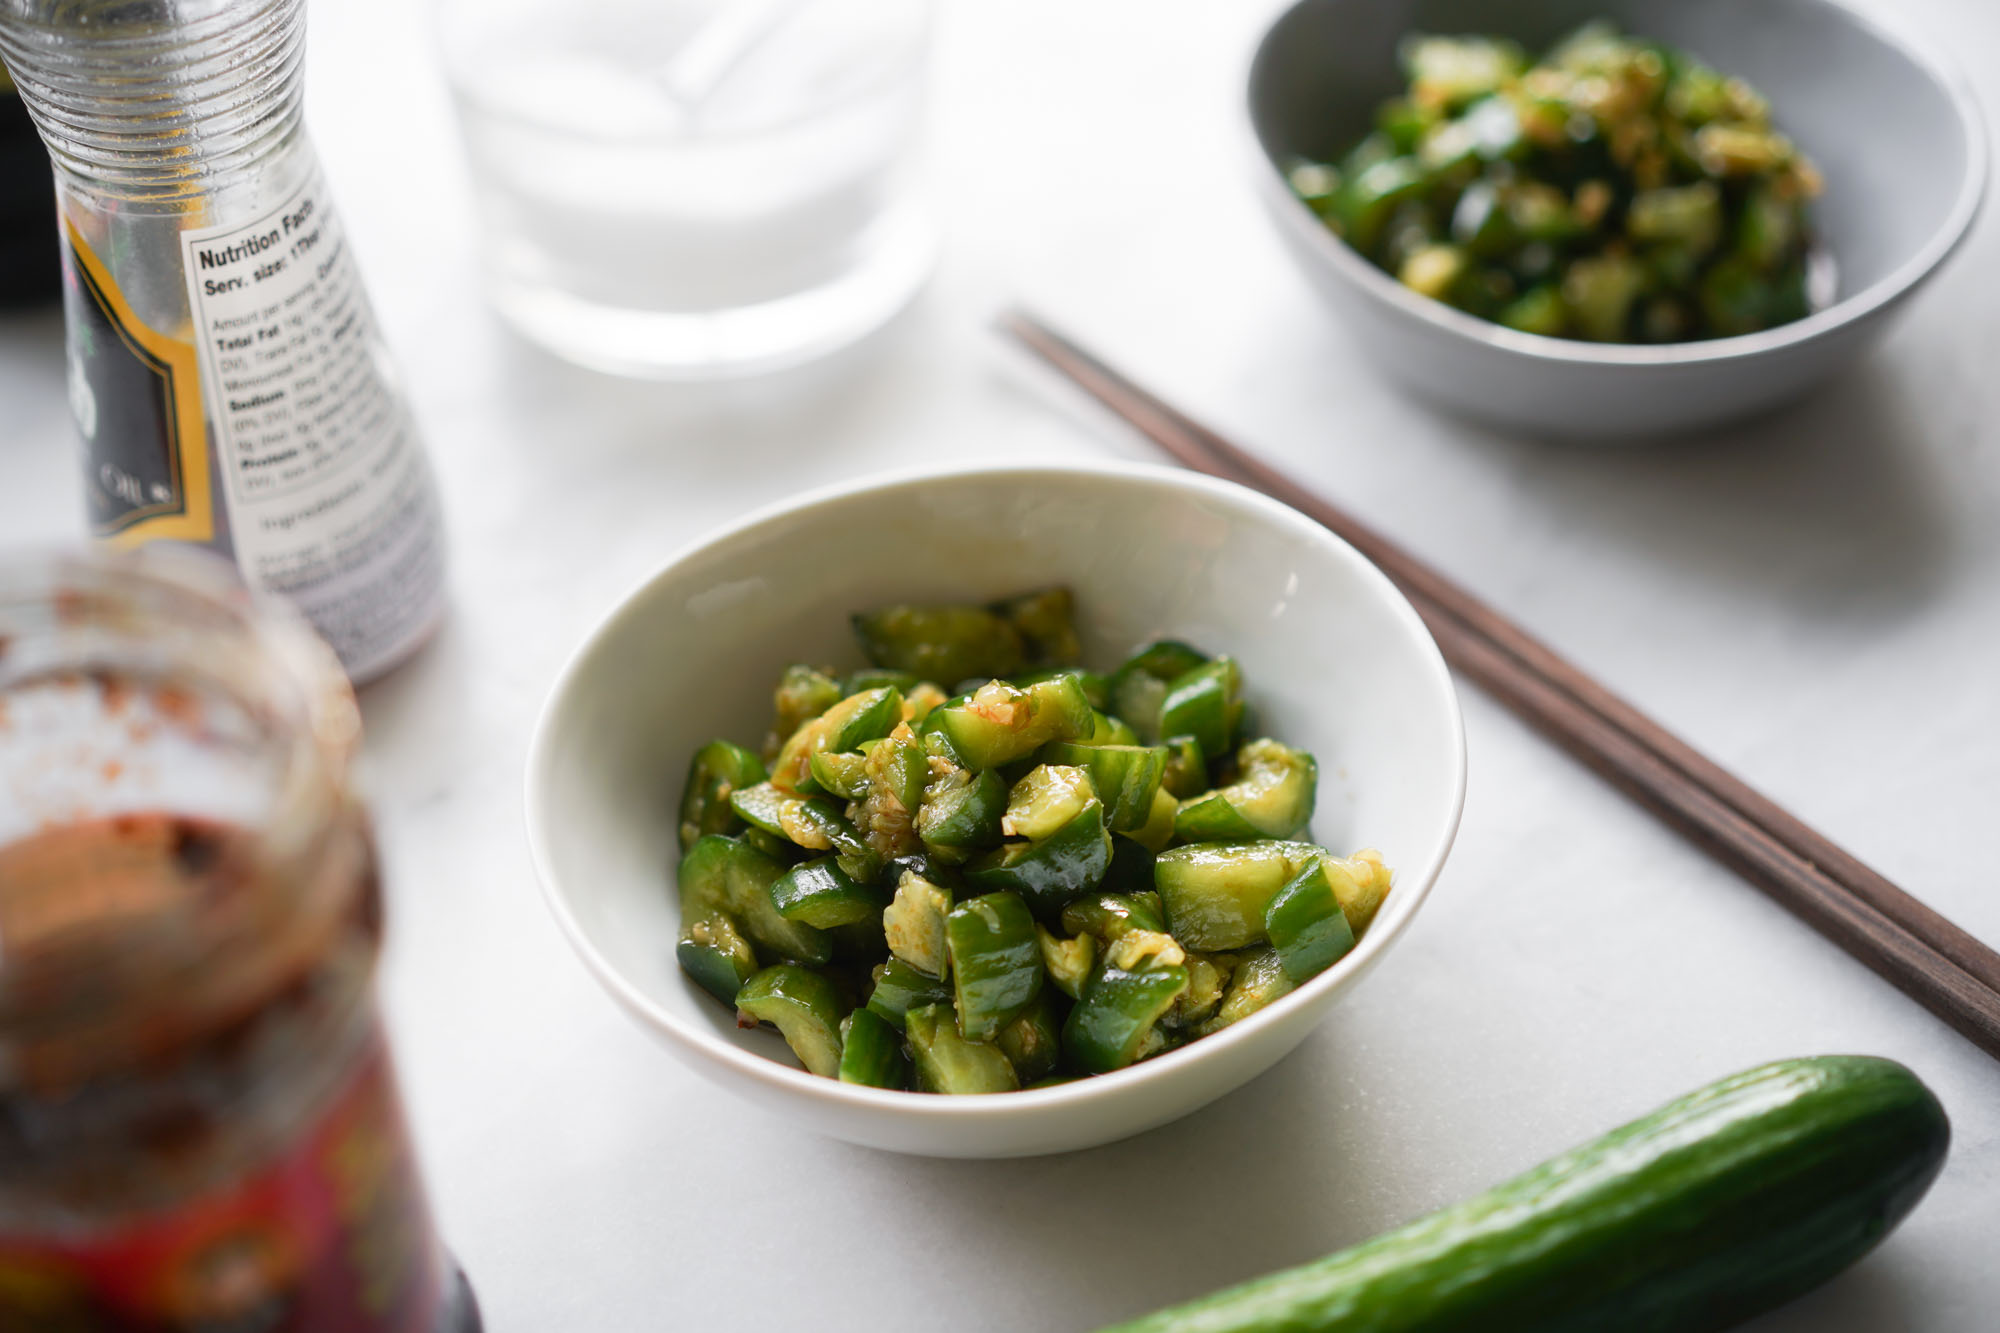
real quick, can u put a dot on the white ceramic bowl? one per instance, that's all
(1895, 132)
(1334, 659)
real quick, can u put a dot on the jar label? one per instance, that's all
(333, 1236)
(330, 498)
(136, 396)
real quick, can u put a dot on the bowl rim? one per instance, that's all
(1415, 883)
(1884, 291)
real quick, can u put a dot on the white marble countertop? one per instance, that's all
(1813, 599)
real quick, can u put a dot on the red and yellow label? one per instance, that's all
(332, 1236)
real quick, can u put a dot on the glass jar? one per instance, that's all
(199, 1126)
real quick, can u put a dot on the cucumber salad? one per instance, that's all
(975, 866)
(1616, 190)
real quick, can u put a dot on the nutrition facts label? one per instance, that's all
(329, 497)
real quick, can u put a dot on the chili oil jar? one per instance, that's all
(199, 1125)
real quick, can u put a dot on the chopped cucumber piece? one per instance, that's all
(918, 703)
(941, 643)
(875, 678)
(1688, 216)
(947, 1062)
(962, 811)
(1538, 310)
(1434, 270)
(1136, 698)
(1104, 730)
(1049, 873)
(1164, 659)
(1045, 800)
(914, 924)
(1113, 1022)
(998, 723)
(718, 769)
(1365, 202)
(996, 962)
(1361, 882)
(1452, 72)
(900, 988)
(819, 893)
(1770, 228)
(776, 846)
(1257, 980)
(871, 1052)
(1094, 686)
(1306, 925)
(897, 764)
(867, 716)
(1158, 830)
(1216, 893)
(803, 693)
(1204, 703)
(815, 824)
(1139, 686)
(764, 806)
(1135, 950)
(1272, 799)
(895, 770)
(1109, 915)
(1598, 293)
(721, 876)
(844, 726)
(1208, 982)
(1032, 1042)
(1186, 771)
(805, 1008)
(1125, 777)
(1067, 961)
(714, 953)
(1046, 622)
(843, 774)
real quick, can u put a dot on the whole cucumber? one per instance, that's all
(1714, 1208)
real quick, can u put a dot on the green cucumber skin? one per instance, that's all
(1715, 1208)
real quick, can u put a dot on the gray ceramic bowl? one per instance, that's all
(1896, 134)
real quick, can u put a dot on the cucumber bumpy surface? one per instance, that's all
(1717, 1207)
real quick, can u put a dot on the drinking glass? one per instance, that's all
(684, 189)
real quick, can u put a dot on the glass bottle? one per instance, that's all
(199, 1126)
(225, 370)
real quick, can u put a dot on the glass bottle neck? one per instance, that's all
(158, 99)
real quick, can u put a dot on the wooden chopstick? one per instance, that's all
(1915, 948)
